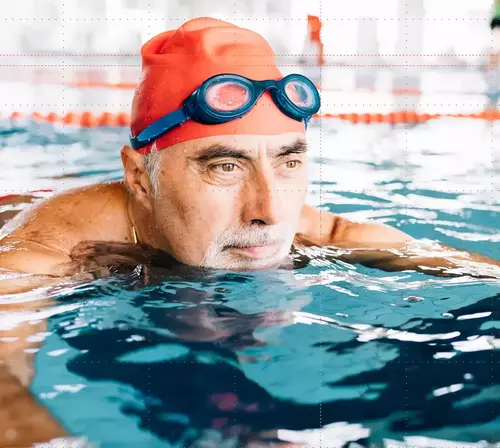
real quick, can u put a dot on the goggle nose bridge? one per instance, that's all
(268, 84)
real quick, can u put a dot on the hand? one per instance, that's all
(99, 259)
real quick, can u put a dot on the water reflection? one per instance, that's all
(207, 361)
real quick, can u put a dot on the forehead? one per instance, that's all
(252, 143)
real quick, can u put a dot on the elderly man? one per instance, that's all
(216, 174)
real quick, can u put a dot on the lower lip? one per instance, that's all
(258, 251)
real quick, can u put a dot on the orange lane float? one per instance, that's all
(89, 120)
(12, 196)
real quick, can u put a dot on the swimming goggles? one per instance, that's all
(225, 97)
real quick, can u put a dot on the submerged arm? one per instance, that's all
(23, 420)
(384, 247)
(25, 267)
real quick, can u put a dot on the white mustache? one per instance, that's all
(250, 238)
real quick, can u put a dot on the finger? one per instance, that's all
(66, 269)
(116, 259)
(97, 271)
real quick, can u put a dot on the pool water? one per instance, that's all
(323, 355)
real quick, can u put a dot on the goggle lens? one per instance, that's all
(227, 96)
(300, 94)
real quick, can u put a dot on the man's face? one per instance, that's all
(231, 202)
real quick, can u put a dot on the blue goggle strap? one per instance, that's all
(159, 127)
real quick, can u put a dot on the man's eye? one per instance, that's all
(292, 163)
(224, 167)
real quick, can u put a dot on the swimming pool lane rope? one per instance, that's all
(89, 119)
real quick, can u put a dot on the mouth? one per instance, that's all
(257, 252)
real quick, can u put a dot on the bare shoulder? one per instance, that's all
(367, 234)
(93, 212)
(322, 228)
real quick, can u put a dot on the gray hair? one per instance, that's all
(152, 165)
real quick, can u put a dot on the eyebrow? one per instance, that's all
(218, 150)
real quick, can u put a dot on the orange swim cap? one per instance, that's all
(176, 63)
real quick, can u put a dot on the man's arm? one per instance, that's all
(24, 266)
(23, 420)
(384, 247)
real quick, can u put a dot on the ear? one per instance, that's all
(136, 177)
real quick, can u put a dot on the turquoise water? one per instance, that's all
(321, 355)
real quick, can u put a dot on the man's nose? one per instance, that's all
(261, 198)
